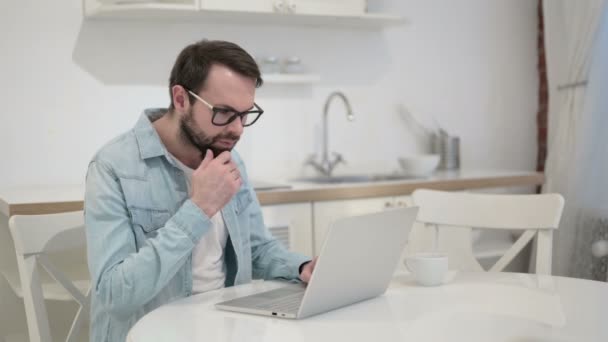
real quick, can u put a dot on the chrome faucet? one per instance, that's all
(326, 166)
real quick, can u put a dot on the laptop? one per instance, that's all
(357, 262)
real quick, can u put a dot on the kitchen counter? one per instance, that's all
(53, 199)
(443, 180)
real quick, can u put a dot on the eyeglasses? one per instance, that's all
(224, 116)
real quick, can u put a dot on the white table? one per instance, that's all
(470, 307)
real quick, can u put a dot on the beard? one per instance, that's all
(197, 138)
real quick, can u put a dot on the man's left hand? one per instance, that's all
(307, 270)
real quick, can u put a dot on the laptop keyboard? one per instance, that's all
(288, 304)
(285, 300)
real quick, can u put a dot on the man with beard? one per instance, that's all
(169, 211)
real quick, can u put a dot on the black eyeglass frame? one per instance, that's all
(216, 110)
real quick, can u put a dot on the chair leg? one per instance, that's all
(544, 251)
(35, 309)
(75, 328)
(80, 315)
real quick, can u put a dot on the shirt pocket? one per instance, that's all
(149, 220)
(243, 201)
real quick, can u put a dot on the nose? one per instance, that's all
(236, 127)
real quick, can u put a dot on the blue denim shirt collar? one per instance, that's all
(148, 141)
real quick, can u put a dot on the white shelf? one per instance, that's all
(94, 10)
(290, 78)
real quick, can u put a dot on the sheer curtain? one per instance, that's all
(576, 35)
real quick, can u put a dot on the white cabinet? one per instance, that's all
(309, 13)
(335, 7)
(302, 226)
(265, 6)
(291, 224)
(326, 7)
(326, 212)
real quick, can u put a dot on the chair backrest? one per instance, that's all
(453, 214)
(35, 236)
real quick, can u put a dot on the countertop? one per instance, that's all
(53, 199)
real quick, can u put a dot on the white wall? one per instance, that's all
(69, 85)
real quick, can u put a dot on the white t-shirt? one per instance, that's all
(208, 267)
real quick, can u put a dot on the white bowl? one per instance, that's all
(420, 165)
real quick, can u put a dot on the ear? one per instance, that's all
(180, 96)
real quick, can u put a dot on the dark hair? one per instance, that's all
(193, 63)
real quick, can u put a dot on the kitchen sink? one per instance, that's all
(353, 178)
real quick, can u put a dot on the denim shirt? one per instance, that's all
(141, 229)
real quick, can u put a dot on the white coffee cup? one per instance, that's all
(428, 269)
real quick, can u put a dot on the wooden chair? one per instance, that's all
(446, 219)
(35, 237)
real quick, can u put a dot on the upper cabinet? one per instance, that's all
(340, 13)
(318, 7)
(336, 7)
(263, 6)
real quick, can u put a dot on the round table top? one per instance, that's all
(469, 307)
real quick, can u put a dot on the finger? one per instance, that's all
(207, 159)
(306, 276)
(236, 184)
(231, 166)
(310, 269)
(313, 263)
(224, 157)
